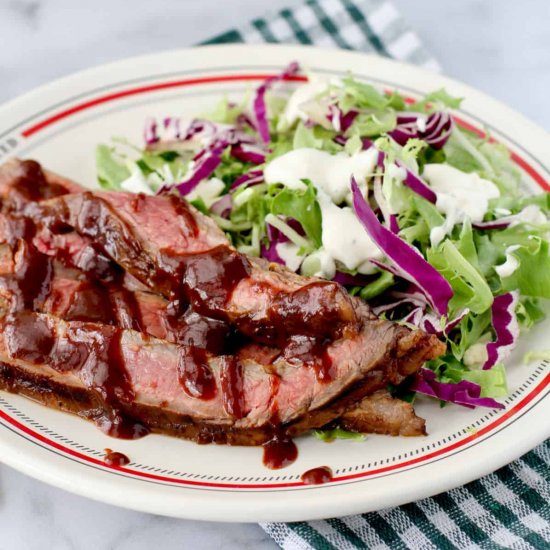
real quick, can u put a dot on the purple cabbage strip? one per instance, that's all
(414, 317)
(206, 165)
(394, 225)
(414, 182)
(222, 207)
(172, 126)
(438, 128)
(270, 253)
(494, 224)
(260, 109)
(506, 327)
(430, 323)
(409, 262)
(248, 153)
(419, 186)
(340, 121)
(150, 134)
(463, 393)
(243, 120)
(250, 178)
(340, 139)
(350, 280)
(274, 237)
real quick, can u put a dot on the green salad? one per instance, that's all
(389, 197)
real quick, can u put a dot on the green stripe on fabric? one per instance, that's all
(423, 523)
(298, 31)
(311, 535)
(225, 38)
(385, 531)
(328, 24)
(475, 533)
(531, 498)
(508, 519)
(356, 14)
(537, 464)
(346, 532)
(263, 28)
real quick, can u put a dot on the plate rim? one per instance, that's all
(35, 95)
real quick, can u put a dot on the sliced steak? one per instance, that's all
(115, 374)
(380, 413)
(176, 251)
(22, 182)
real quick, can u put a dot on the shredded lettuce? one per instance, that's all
(111, 169)
(336, 433)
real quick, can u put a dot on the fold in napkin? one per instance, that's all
(507, 509)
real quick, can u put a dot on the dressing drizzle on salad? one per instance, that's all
(438, 233)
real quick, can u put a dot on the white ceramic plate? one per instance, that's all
(61, 123)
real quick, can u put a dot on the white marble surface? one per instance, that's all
(500, 47)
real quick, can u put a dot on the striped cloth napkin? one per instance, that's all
(507, 509)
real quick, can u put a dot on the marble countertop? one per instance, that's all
(476, 41)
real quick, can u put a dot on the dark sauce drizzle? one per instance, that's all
(199, 286)
(114, 458)
(279, 453)
(317, 476)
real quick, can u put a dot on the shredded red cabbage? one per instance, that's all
(340, 121)
(409, 262)
(418, 185)
(506, 328)
(248, 153)
(413, 181)
(222, 207)
(463, 393)
(350, 280)
(436, 129)
(150, 131)
(204, 168)
(274, 237)
(250, 178)
(260, 109)
(494, 224)
(432, 325)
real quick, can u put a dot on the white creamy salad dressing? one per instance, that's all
(460, 196)
(303, 96)
(329, 173)
(344, 238)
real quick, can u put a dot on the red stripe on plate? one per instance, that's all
(235, 78)
(142, 90)
(490, 427)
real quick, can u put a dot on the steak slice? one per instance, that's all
(108, 374)
(380, 413)
(179, 253)
(24, 181)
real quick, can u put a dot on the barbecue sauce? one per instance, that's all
(302, 323)
(114, 458)
(317, 476)
(279, 453)
(94, 352)
(194, 373)
(310, 352)
(231, 377)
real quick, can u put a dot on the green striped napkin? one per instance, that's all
(507, 509)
